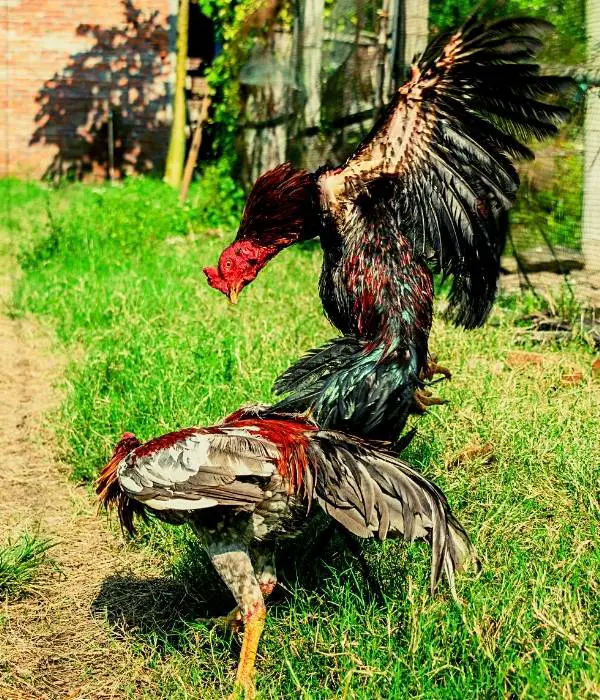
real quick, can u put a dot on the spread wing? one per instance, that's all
(197, 469)
(372, 493)
(440, 157)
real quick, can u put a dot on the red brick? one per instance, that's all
(65, 59)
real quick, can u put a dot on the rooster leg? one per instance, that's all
(254, 623)
(236, 570)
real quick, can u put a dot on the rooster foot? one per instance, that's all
(424, 398)
(433, 368)
(231, 622)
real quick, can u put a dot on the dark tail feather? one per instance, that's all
(347, 385)
(318, 363)
(374, 494)
(110, 496)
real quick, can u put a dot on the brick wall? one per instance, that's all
(66, 65)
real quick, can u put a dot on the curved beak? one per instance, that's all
(233, 294)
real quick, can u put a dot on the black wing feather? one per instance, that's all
(447, 142)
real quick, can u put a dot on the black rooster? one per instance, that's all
(426, 191)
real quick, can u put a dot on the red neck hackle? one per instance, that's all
(289, 433)
(281, 210)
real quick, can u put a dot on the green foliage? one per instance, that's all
(445, 14)
(157, 349)
(42, 250)
(217, 200)
(567, 45)
(236, 40)
(553, 213)
(20, 564)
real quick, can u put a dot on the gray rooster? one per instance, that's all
(253, 479)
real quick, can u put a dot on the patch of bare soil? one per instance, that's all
(52, 644)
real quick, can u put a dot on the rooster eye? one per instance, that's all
(228, 265)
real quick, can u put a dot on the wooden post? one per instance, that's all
(194, 150)
(111, 142)
(176, 152)
(388, 40)
(412, 39)
(591, 194)
(312, 48)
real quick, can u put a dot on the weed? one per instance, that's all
(21, 562)
(40, 252)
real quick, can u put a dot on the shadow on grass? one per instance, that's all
(162, 608)
(166, 609)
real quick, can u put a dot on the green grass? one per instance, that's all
(21, 563)
(120, 276)
(117, 271)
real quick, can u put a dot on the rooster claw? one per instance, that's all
(433, 368)
(231, 622)
(424, 398)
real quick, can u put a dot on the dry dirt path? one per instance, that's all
(51, 644)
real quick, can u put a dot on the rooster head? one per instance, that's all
(281, 210)
(238, 265)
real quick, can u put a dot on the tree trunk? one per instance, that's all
(311, 52)
(263, 146)
(591, 195)
(176, 152)
(312, 47)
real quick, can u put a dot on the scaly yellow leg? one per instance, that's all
(254, 623)
(235, 568)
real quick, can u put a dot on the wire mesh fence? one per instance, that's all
(313, 89)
